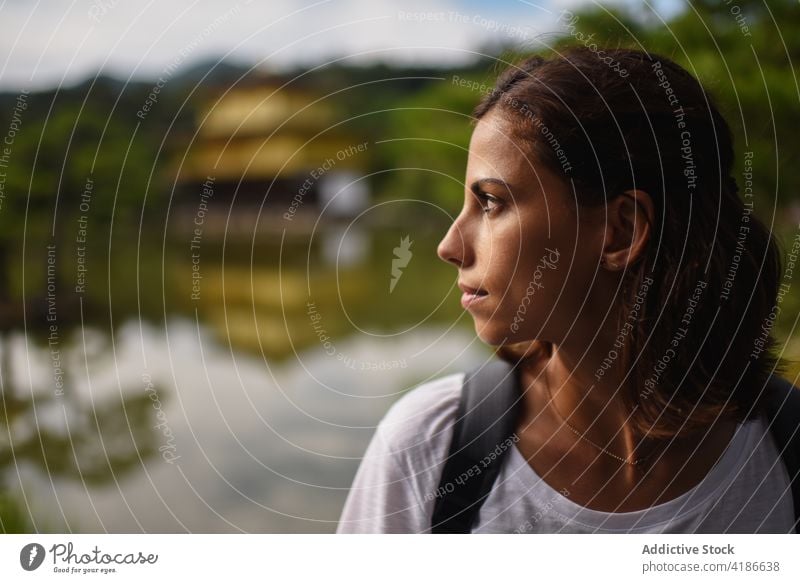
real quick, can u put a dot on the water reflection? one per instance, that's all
(240, 410)
(262, 446)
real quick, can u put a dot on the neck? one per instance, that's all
(568, 389)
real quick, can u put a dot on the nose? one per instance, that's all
(454, 247)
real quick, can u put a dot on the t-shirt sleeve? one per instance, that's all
(393, 490)
(383, 497)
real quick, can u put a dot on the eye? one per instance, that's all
(488, 202)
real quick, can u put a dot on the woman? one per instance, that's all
(603, 246)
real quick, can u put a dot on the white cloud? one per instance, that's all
(47, 42)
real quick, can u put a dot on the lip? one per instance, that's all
(471, 295)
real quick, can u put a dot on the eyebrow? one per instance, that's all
(476, 186)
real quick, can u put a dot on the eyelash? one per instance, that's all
(483, 197)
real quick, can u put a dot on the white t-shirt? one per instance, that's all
(746, 491)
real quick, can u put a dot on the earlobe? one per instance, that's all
(609, 264)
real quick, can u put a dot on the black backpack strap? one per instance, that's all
(782, 405)
(485, 421)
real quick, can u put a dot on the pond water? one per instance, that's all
(247, 405)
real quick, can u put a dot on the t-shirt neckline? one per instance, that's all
(724, 470)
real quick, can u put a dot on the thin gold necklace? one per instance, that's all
(581, 435)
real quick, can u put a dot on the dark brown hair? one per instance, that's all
(698, 344)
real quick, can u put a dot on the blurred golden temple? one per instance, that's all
(273, 152)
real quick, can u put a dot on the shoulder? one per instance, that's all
(402, 465)
(424, 416)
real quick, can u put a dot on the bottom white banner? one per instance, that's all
(352, 558)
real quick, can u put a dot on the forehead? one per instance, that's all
(494, 148)
(497, 151)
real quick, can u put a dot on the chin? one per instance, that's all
(494, 333)
(498, 333)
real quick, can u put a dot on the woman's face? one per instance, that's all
(522, 243)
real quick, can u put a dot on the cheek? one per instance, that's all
(532, 292)
(528, 270)
(539, 259)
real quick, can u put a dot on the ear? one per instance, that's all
(629, 221)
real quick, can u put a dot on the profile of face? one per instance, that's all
(527, 254)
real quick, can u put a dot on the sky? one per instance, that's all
(48, 43)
